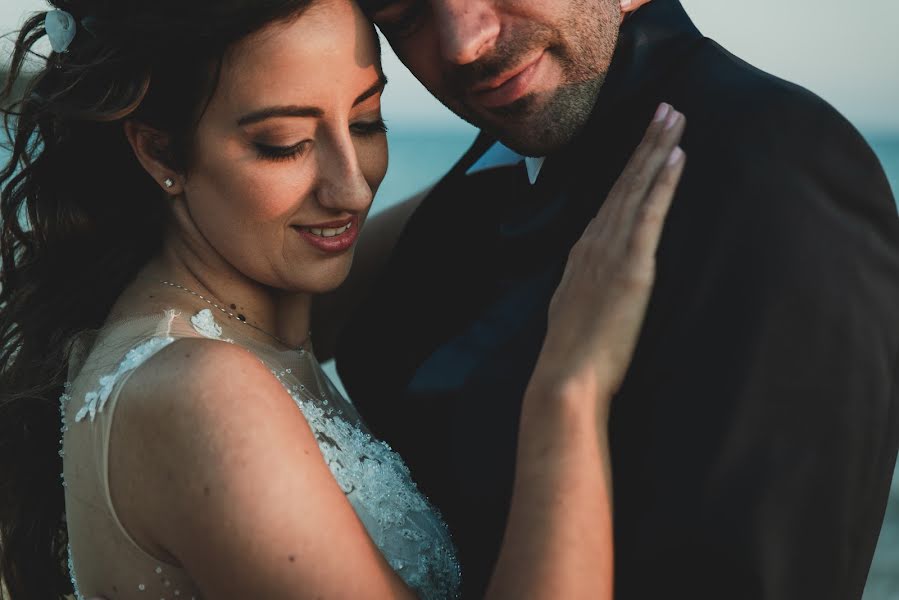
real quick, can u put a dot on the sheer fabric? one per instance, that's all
(104, 558)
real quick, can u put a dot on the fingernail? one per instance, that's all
(661, 112)
(675, 156)
(626, 4)
(672, 119)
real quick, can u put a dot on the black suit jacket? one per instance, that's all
(754, 438)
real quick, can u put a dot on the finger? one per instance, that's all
(629, 191)
(610, 209)
(651, 218)
(655, 161)
(650, 157)
(650, 140)
(629, 6)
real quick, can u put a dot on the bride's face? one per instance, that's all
(291, 150)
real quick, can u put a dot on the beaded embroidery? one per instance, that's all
(204, 324)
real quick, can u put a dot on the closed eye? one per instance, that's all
(279, 153)
(401, 18)
(378, 126)
(377, 8)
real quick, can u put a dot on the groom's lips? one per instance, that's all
(508, 87)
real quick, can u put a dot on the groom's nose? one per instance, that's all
(467, 29)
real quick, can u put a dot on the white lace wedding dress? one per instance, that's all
(103, 557)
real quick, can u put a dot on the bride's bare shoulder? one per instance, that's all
(204, 378)
(217, 466)
(185, 416)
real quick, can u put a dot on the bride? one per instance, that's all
(185, 178)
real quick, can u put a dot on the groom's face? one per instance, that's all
(527, 71)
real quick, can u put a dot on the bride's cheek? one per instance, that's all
(373, 161)
(266, 197)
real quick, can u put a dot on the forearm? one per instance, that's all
(558, 540)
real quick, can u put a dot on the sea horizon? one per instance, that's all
(419, 156)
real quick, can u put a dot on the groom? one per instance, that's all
(755, 436)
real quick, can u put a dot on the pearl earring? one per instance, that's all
(169, 183)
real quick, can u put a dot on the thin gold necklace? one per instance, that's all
(301, 350)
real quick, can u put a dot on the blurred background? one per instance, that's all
(846, 52)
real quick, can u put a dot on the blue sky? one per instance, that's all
(844, 51)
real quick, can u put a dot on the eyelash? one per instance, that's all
(405, 24)
(376, 127)
(282, 153)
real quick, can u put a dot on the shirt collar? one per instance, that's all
(500, 155)
(534, 165)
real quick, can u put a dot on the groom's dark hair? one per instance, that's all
(80, 217)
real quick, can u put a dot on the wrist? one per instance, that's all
(564, 425)
(568, 391)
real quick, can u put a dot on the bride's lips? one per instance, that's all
(331, 237)
(508, 87)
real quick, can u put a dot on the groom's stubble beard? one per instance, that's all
(540, 124)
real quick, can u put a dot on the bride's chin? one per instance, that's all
(322, 284)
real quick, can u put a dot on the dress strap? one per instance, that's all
(115, 356)
(96, 399)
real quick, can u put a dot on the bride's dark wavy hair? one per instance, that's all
(79, 217)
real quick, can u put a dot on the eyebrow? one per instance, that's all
(271, 112)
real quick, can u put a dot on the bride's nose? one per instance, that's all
(342, 184)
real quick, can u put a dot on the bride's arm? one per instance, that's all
(213, 466)
(558, 540)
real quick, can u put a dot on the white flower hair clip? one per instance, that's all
(60, 27)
